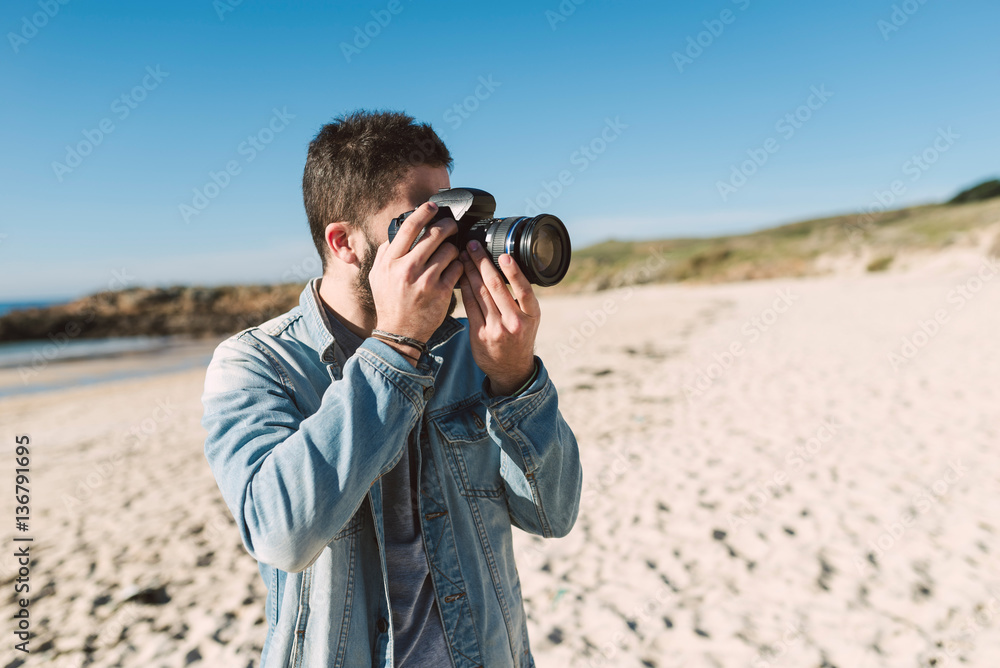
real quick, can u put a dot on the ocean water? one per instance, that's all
(61, 349)
(6, 307)
(27, 366)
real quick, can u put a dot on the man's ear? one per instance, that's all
(342, 241)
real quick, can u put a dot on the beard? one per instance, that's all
(363, 287)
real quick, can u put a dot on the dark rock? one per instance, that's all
(187, 311)
(150, 596)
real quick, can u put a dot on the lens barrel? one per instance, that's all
(540, 245)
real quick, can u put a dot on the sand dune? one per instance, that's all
(765, 486)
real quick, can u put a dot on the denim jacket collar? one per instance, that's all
(319, 329)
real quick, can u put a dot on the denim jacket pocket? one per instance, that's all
(474, 457)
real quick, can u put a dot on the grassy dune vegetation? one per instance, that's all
(799, 249)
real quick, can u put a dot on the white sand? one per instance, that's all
(647, 577)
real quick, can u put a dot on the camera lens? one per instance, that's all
(539, 245)
(546, 251)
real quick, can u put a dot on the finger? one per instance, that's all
(433, 240)
(493, 280)
(479, 289)
(440, 261)
(410, 228)
(519, 285)
(451, 275)
(472, 310)
(379, 255)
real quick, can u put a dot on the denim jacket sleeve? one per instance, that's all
(543, 493)
(291, 481)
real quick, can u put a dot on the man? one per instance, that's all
(374, 481)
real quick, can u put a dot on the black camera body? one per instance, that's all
(539, 245)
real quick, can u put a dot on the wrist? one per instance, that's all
(409, 353)
(517, 384)
(407, 346)
(412, 356)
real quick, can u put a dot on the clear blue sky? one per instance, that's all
(555, 84)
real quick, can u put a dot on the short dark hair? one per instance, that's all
(356, 162)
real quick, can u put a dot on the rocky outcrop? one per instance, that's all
(189, 311)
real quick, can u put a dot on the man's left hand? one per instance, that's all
(502, 326)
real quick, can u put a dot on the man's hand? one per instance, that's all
(502, 327)
(412, 288)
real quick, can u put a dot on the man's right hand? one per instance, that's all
(413, 288)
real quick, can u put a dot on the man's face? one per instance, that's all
(416, 188)
(419, 184)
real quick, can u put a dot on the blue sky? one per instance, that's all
(594, 93)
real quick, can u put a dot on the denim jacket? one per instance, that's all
(298, 438)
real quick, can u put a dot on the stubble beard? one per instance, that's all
(363, 286)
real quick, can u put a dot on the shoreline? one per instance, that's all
(173, 355)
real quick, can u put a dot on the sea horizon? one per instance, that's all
(20, 304)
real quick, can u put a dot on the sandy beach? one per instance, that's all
(781, 473)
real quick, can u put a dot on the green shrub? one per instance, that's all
(985, 190)
(880, 263)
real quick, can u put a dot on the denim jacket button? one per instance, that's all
(382, 625)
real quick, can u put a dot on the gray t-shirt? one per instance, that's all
(418, 634)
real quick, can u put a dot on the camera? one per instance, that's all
(538, 244)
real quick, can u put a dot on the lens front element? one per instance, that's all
(544, 249)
